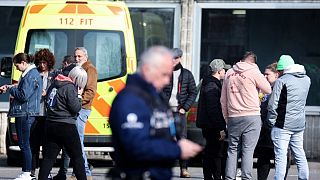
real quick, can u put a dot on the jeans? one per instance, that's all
(282, 139)
(242, 131)
(23, 126)
(181, 127)
(62, 135)
(37, 137)
(81, 124)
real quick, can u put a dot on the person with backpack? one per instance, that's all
(64, 102)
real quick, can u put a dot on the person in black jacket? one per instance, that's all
(211, 121)
(181, 94)
(63, 105)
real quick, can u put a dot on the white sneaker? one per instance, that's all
(25, 176)
(238, 176)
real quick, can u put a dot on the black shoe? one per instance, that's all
(59, 177)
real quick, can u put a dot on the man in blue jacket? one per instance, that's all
(142, 124)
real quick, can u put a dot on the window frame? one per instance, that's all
(177, 16)
(197, 16)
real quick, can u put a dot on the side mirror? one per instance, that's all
(6, 67)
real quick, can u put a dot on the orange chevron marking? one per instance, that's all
(37, 8)
(84, 9)
(115, 10)
(117, 85)
(101, 105)
(90, 128)
(69, 9)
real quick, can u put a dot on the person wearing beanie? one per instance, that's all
(241, 109)
(211, 121)
(180, 93)
(283, 63)
(286, 113)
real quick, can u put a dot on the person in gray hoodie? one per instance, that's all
(286, 112)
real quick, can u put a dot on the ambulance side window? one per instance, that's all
(107, 53)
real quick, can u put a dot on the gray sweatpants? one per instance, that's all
(243, 132)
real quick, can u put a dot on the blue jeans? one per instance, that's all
(23, 126)
(81, 124)
(282, 139)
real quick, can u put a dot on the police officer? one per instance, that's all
(142, 124)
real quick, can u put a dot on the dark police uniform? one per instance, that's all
(143, 131)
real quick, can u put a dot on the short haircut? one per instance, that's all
(149, 55)
(18, 58)
(78, 76)
(44, 55)
(68, 59)
(272, 67)
(83, 49)
(249, 53)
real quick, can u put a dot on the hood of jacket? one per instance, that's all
(241, 67)
(295, 69)
(61, 80)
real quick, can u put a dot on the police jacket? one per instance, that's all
(27, 95)
(286, 107)
(187, 91)
(141, 133)
(209, 107)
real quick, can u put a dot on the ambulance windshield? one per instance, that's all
(106, 49)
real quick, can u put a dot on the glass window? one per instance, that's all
(152, 26)
(228, 33)
(105, 48)
(10, 21)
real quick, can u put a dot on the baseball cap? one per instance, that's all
(218, 64)
(176, 53)
(284, 62)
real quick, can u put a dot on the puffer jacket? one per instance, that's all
(286, 108)
(187, 91)
(209, 107)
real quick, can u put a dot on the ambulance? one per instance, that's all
(104, 28)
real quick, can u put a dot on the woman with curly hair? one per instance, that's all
(44, 61)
